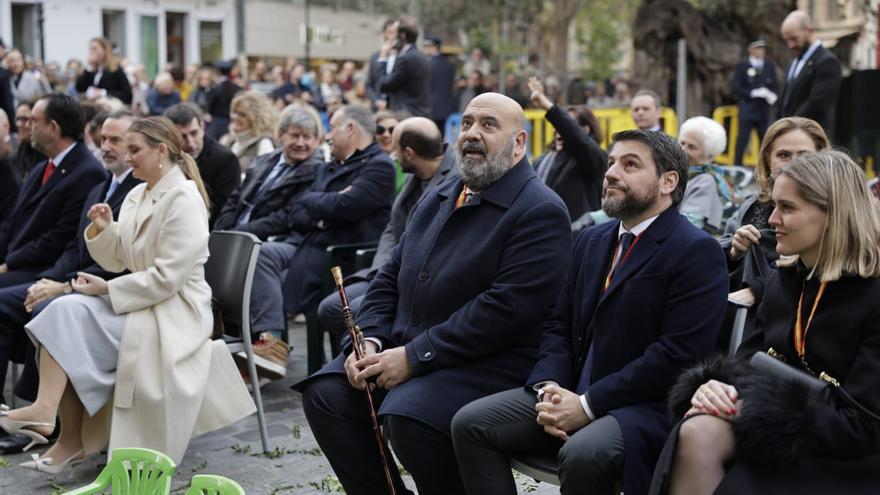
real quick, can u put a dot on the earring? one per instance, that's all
(160, 165)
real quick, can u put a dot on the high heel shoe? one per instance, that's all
(13, 426)
(47, 464)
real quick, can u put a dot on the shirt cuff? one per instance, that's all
(375, 341)
(586, 406)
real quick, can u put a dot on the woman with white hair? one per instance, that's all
(702, 139)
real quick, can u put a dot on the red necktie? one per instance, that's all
(50, 167)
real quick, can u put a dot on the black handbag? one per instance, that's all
(768, 363)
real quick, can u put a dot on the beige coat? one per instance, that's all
(172, 381)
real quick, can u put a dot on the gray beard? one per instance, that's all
(478, 174)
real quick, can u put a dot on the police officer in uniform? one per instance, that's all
(754, 85)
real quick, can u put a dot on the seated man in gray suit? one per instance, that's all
(428, 162)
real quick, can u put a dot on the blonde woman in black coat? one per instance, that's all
(819, 314)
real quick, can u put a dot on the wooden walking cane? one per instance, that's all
(360, 350)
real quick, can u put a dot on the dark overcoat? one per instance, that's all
(466, 291)
(325, 216)
(661, 313)
(270, 210)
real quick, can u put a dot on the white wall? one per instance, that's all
(68, 25)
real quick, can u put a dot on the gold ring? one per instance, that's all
(708, 393)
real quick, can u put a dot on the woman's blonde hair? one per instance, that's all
(111, 61)
(850, 241)
(258, 109)
(780, 128)
(160, 130)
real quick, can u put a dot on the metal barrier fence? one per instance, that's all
(612, 120)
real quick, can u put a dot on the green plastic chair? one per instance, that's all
(133, 472)
(210, 484)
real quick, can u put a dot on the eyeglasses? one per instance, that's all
(381, 130)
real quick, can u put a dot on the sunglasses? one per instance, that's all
(381, 130)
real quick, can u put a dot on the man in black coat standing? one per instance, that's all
(442, 79)
(379, 99)
(46, 214)
(406, 80)
(813, 78)
(754, 84)
(218, 166)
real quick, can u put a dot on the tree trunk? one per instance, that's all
(716, 42)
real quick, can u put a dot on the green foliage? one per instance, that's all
(240, 449)
(4, 463)
(601, 26)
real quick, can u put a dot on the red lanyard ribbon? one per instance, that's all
(622, 259)
(800, 332)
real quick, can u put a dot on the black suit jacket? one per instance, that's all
(76, 257)
(743, 84)
(580, 166)
(813, 93)
(270, 211)
(9, 186)
(7, 99)
(220, 173)
(661, 313)
(843, 341)
(116, 84)
(442, 79)
(45, 218)
(408, 85)
(324, 216)
(373, 91)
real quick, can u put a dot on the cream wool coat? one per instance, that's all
(172, 381)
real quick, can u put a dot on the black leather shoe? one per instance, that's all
(13, 444)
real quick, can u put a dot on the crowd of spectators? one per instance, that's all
(97, 161)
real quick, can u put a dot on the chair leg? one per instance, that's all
(255, 384)
(315, 340)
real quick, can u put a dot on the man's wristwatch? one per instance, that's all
(68, 288)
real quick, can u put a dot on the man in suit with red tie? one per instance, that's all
(19, 303)
(644, 298)
(813, 78)
(46, 214)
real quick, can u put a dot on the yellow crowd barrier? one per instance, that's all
(617, 119)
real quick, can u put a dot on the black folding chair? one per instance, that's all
(230, 273)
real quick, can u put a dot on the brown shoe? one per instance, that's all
(270, 356)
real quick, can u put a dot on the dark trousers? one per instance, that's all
(267, 300)
(488, 431)
(330, 308)
(14, 344)
(16, 277)
(340, 420)
(748, 122)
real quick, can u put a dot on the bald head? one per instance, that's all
(418, 145)
(492, 139)
(798, 32)
(505, 105)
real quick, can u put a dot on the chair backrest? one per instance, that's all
(134, 471)
(210, 484)
(230, 271)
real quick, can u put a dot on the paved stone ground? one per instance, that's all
(295, 464)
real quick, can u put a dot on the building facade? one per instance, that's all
(153, 32)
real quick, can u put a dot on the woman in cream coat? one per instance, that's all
(136, 350)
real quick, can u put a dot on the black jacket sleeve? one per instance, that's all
(589, 157)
